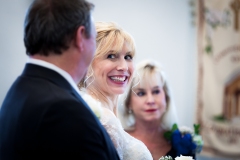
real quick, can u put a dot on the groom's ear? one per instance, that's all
(79, 38)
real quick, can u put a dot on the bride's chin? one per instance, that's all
(118, 91)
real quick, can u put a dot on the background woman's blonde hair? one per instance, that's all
(110, 37)
(146, 73)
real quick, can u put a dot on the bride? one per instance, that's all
(108, 76)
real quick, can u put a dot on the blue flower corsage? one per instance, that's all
(185, 141)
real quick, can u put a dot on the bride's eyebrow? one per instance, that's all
(112, 52)
(129, 53)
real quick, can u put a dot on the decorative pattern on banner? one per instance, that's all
(219, 75)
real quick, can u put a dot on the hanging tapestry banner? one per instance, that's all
(218, 109)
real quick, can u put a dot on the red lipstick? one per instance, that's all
(150, 110)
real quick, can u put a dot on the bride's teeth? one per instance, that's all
(118, 78)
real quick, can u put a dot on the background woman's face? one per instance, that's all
(113, 70)
(148, 103)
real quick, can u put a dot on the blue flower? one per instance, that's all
(183, 143)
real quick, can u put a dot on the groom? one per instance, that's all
(43, 116)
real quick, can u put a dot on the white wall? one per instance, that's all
(12, 52)
(161, 28)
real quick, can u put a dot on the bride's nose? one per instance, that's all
(122, 65)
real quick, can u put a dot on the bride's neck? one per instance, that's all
(108, 101)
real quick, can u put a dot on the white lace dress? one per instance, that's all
(128, 147)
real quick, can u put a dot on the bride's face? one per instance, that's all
(113, 71)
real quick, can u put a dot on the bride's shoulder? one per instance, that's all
(108, 117)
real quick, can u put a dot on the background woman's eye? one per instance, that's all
(140, 94)
(128, 57)
(156, 91)
(111, 56)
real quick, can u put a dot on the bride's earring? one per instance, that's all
(90, 77)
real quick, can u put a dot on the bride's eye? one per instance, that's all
(111, 56)
(128, 57)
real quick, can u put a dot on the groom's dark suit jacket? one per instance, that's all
(43, 117)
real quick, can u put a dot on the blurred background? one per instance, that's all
(164, 30)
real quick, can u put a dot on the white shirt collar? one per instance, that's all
(57, 69)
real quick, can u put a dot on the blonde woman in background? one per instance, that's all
(108, 76)
(146, 109)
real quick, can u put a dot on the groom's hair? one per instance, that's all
(50, 25)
